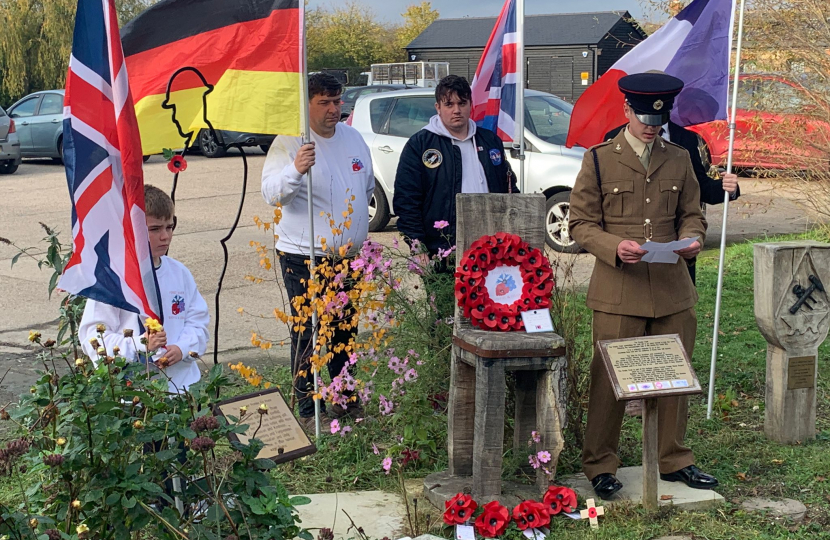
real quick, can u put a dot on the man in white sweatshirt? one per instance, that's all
(343, 183)
(186, 316)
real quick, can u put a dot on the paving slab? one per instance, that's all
(789, 508)
(441, 486)
(379, 513)
(669, 493)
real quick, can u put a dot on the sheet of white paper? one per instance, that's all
(573, 515)
(664, 252)
(465, 532)
(537, 320)
(534, 534)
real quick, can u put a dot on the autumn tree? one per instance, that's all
(36, 41)
(416, 18)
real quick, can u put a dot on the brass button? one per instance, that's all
(648, 180)
(674, 188)
(648, 201)
(616, 190)
(648, 221)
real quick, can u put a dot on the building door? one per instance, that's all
(562, 77)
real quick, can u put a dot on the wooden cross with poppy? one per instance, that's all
(592, 512)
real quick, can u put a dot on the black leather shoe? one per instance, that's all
(692, 477)
(605, 485)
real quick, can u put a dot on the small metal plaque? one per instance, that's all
(648, 366)
(801, 372)
(282, 434)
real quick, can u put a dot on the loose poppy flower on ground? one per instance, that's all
(560, 499)
(531, 515)
(459, 509)
(177, 164)
(493, 521)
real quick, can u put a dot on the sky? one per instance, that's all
(390, 10)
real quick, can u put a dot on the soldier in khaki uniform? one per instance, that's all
(634, 188)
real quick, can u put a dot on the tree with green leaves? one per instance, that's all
(416, 19)
(36, 41)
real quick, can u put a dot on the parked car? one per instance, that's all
(387, 120)
(213, 148)
(350, 95)
(38, 119)
(9, 144)
(773, 127)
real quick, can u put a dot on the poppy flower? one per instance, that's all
(489, 317)
(177, 164)
(560, 499)
(459, 509)
(461, 289)
(531, 515)
(543, 288)
(521, 252)
(493, 521)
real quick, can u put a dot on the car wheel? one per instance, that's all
(59, 159)
(557, 232)
(265, 147)
(8, 167)
(211, 148)
(378, 210)
(145, 159)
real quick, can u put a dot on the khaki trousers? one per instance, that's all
(605, 413)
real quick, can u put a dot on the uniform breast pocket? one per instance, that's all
(617, 198)
(669, 196)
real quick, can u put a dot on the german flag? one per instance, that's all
(249, 50)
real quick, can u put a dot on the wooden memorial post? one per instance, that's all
(480, 360)
(793, 315)
(649, 368)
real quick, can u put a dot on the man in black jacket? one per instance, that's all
(450, 155)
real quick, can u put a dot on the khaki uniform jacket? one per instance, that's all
(631, 204)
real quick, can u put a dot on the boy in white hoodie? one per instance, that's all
(186, 314)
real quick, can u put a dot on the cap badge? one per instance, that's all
(618, 147)
(658, 105)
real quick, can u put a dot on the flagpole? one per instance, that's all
(312, 249)
(520, 89)
(726, 195)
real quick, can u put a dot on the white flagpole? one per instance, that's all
(732, 127)
(520, 90)
(312, 251)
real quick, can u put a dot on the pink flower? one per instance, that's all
(345, 431)
(535, 437)
(375, 449)
(395, 243)
(543, 456)
(335, 426)
(387, 464)
(534, 461)
(410, 375)
(357, 264)
(441, 224)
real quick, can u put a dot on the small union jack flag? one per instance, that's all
(494, 85)
(111, 261)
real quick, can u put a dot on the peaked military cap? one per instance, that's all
(651, 96)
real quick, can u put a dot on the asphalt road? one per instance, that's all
(207, 199)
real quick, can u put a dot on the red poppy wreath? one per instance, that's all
(500, 277)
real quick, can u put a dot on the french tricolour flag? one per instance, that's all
(111, 260)
(494, 84)
(694, 46)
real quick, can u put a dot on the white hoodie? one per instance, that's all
(473, 179)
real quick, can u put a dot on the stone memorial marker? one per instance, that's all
(793, 315)
(648, 368)
(279, 430)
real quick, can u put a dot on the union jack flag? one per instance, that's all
(494, 84)
(111, 260)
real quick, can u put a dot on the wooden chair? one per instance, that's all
(481, 358)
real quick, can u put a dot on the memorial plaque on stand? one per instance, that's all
(280, 431)
(649, 366)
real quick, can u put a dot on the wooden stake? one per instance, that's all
(650, 454)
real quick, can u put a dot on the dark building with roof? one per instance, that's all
(565, 53)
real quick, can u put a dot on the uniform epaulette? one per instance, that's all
(673, 144)
(603, 143)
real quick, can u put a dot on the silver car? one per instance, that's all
(9, 144)
(39, 121)
(387, 120)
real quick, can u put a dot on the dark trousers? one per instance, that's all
(294, 272)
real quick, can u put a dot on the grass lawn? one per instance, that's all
(731, 446)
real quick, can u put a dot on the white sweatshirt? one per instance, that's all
(342, 169)
(186, 320)
(473, 179)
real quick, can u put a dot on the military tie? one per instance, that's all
(645, 157)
